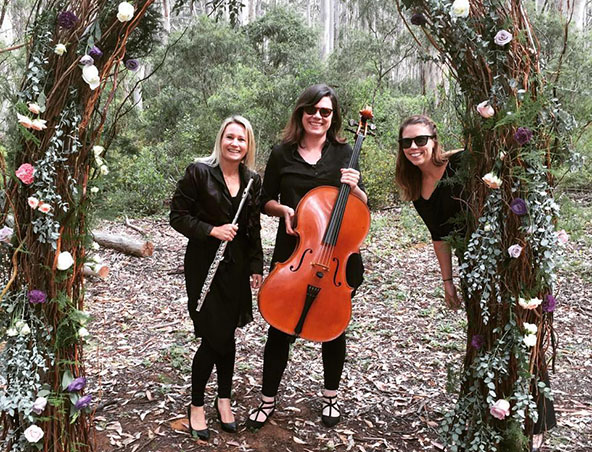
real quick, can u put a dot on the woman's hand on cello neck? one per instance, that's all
(351, 177)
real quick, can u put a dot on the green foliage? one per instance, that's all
(378, 169)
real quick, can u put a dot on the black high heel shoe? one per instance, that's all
(265, 408)
(230, 427)
(204, 434)
(331, 403)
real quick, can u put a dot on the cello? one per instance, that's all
(308, 295)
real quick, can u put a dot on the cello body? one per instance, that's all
(308, 295)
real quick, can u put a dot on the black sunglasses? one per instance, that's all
(420, 140)
(312, 110)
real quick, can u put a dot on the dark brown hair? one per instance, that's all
(407, 175)
(294, 131)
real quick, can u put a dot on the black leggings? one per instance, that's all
(275, 359)
(203, 362)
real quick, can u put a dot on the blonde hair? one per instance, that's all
(407, 175)
(214, 158)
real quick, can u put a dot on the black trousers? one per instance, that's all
(203, 363)
(275, 360)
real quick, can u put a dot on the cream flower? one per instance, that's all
(492, 180)
(33, 433)
(11, 332)
(24, 121)
(38, 124)
(90, 74)
(533, 303)
(65, 260)
(94, 190)
(515, 251)
(83, 332)
(98, 150)
(530, 328)
(34, 108)
(25, 330)
(530, 340)
(60, 49)
(104, 170)
(125, 12)
(460, 8)
(33, 202)
(485, 110)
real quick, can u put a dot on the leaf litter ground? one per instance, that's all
(403, 346)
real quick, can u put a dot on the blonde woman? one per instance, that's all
(202, 209)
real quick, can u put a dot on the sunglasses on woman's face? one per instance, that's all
(420, 140)
(312, 110)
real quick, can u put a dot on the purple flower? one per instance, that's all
(83, 402)
(477, 341)
(132, 64)
(5, 234)
(549, 303)
(418, 19)
(502, 37)
(518, 206)
(67, 19)
(523, 135)
(77, 384)
(37, 296)
(95, 52)
(87, 60)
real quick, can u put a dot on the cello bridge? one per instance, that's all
(322, 267)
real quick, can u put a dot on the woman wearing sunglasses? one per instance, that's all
(421, 170)
(421, 173)
(311, 154)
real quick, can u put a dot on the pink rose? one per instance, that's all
(44, 207)
(33, 202)
(492, 180)
(562, 237)
(485, 110)
(500, 409)
(502, 37)
(38, 124)
(25, 173)
(24, 121)
(514, 251)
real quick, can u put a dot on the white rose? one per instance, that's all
(25, 330)
(460, 8)
(19, 325)
(95, 245)
(90, 74)
(530, 340)
(98, 150)
(104, 170)
(83, 332)
(33, 434)
(530, 328)
(39, 405)
(125, 12)
(60, 49)
(533, 303)
(94, 190)
(65, 260)
(11, 332)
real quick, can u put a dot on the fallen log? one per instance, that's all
(99, 271)
(123, 243)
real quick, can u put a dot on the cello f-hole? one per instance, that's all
(307, 250)
(335, 282)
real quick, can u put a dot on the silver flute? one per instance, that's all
(220, 253)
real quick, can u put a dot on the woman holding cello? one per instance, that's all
(311, 154)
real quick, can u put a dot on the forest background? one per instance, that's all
(209, 62)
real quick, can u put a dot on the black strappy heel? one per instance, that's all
(331, 403)
(263, 409)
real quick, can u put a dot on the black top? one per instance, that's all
(288, 177)
(202, 201)
(444, 204)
